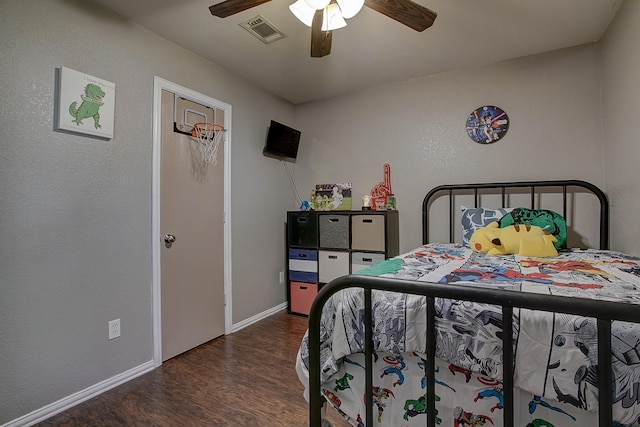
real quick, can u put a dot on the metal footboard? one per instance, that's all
(604, 311)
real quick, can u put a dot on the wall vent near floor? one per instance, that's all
(262, 29)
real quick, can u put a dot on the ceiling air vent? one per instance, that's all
(262, 29)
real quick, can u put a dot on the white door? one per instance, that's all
(192, 238)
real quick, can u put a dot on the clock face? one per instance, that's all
(487, 124)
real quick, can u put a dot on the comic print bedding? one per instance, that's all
(555, 354)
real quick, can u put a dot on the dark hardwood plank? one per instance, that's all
(243, 379)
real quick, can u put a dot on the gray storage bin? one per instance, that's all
(334, 231)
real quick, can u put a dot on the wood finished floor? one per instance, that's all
(243, 379)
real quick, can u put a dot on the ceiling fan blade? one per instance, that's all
(320, 40)
(405, 12)
(231, 7)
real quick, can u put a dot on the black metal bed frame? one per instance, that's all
(531, 187)
(604, 311)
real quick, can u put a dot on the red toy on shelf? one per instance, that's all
(381, 191)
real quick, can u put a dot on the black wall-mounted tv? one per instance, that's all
(282, 141)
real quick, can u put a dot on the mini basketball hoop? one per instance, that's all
(208, 136)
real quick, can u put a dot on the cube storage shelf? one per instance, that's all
(325, 245)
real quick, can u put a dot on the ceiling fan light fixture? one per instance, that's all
(303, 12)
(332, 18)
(317, 4)
(350, 8)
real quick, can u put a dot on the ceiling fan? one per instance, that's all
(406, 12)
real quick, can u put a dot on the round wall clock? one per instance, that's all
(487, 124)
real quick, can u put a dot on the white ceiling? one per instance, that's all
(373, 49)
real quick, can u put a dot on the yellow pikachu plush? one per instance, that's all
(525, 240)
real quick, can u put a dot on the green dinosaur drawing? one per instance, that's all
(91, 103)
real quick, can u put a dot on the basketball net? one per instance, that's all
(208, 136)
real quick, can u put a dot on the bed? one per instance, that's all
(435, 335)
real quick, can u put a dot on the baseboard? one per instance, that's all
(79, 397)
(253, 319)
(61, 405)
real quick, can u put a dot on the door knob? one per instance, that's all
(169, 238)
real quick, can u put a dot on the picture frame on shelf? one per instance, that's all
(333, 197)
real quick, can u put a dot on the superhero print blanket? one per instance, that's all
(555, 354)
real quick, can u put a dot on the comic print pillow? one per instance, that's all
(474, 218)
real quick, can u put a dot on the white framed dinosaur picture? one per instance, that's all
(86, 104)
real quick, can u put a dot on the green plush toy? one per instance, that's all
(548, 220)
(525, 240)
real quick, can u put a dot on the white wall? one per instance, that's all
(75, 212)
(620, 59)
(418, 127)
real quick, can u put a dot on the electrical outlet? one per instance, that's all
(282, 277)
(114, 329)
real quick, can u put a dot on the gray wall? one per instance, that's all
(573, 115)
(75, 212)
(620, 59)
(418, 127)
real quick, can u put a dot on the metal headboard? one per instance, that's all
(531, 187)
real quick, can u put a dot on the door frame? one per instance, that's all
(160, 84)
